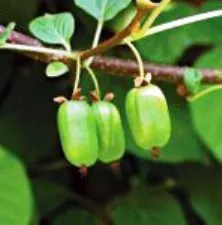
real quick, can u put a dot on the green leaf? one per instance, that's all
(192, 80)
(204, 186)
(207, 118)
(169, 45)
(147, 205)
(6, 33)
(212, 59)
(56, 69)
(201, 32)
(102, 10)
(54, 28)
(15, 195)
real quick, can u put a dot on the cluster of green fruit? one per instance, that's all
(91, 132)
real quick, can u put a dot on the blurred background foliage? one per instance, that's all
(183, 186)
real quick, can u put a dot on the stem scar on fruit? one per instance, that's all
(76, 95)
(155, 152)
(94, 96)
(115, 168)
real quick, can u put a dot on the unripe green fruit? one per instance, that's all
(77, 130)
(110, 131)
(148, 117)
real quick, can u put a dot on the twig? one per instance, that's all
(179, 23)
(20, 38)
(127, 33)
(37, 49)
(116, 39)
(120, 67)
(172, 74)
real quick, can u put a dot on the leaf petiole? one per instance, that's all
(95, 40)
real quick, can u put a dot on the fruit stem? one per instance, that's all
(95, 81)
(77, 73)
(138, 58)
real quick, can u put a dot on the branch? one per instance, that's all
(116, 39)
(120, 67)
(20, 38)
(172, 74)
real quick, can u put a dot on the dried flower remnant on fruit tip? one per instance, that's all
(60, 99)
(109, 96)
(148, 78)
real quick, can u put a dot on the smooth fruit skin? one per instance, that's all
(148, 116)
(77, 130)
(110, 131)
